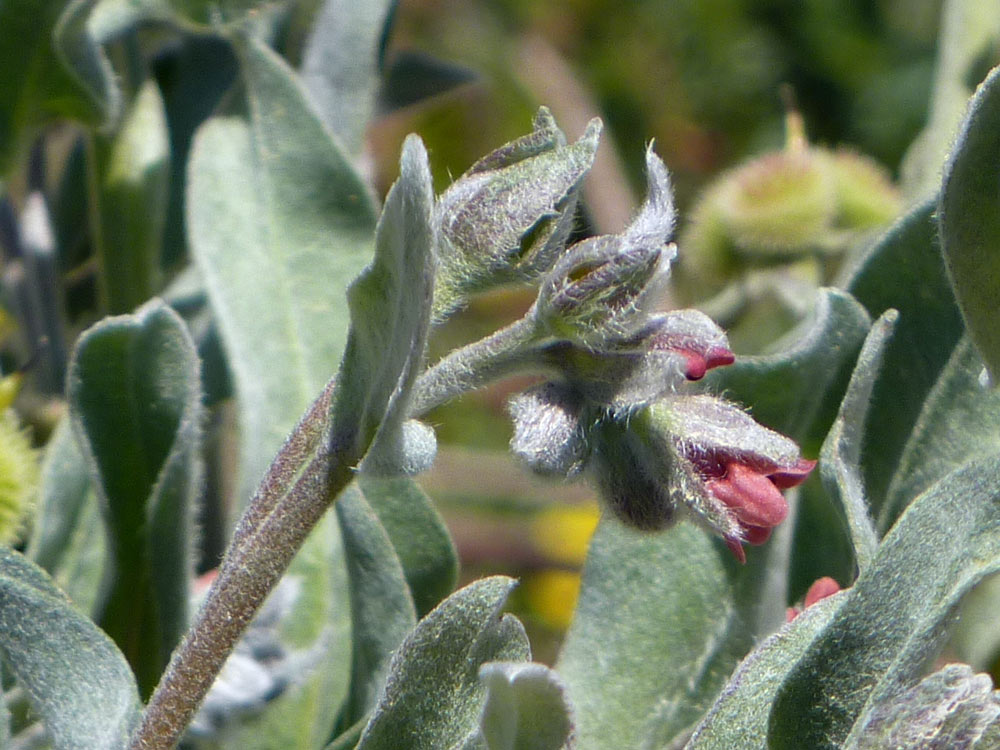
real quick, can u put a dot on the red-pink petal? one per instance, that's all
(756, 535)
(792, 476)
(696, 366)
(753, 497)
(719, 356)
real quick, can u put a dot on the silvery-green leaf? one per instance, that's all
(789, 388)
(390, 306)
(661, 622)
(951, 709)
(419, 536)
(52, 67)
(111, 18)
(969, 219)
(840, 457)
(968, 28)
(382, 611)
(893, 621)
(279, 223)
(131, 197)
(135, 405)
(904, 270)
(340, 65)
(76, 678)
(960, 420)
(525, 709)
(738, 718)
(433, 698)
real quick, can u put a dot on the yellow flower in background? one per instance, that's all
(562, 534)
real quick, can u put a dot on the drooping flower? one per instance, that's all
(619, 403)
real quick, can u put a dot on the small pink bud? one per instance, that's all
(820, 589)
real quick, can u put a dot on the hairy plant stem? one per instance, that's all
(302, 482)
(509, 350)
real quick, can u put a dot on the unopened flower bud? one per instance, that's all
(548, 435)
(508, 217)
(669, 350)
(601, 290)
(820, 589)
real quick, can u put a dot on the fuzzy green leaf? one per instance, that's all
(969, 218)
(111, 18)
(382, 610)
(840, 456)
(786, 388)
(77, 680)
(661, 621)
(279, 223)
(433, 698)
(390, 307)
(738, 718)
(135, 405)
(134, 169)
(52, 68)
(68, 535)
(960, 420)
(891, 625)
(525, 707)
(340, 65)
(419, 536)
(904, 270)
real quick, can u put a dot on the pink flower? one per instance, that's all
(821, 589)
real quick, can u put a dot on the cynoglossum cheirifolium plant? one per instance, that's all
(364, 644)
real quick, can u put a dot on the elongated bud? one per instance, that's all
(508, 217)
(602, 289)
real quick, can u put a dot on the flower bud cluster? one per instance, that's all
(617, 404)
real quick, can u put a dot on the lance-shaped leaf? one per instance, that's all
(738, 718)
(433, 698)
(113, 17)
(960, 420)
(891, 625)
(341, 62)
(52, 67)
(904, 270)
(76, 679)
(525, 708)
(382, 611)
(969, 29)
(969, 218)
(840, 457)
(390, 315)
(133, 169)
(135, 404)
(68, 537)
(279, 223)
(661, 621)
(791, 389)
(419, 536)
